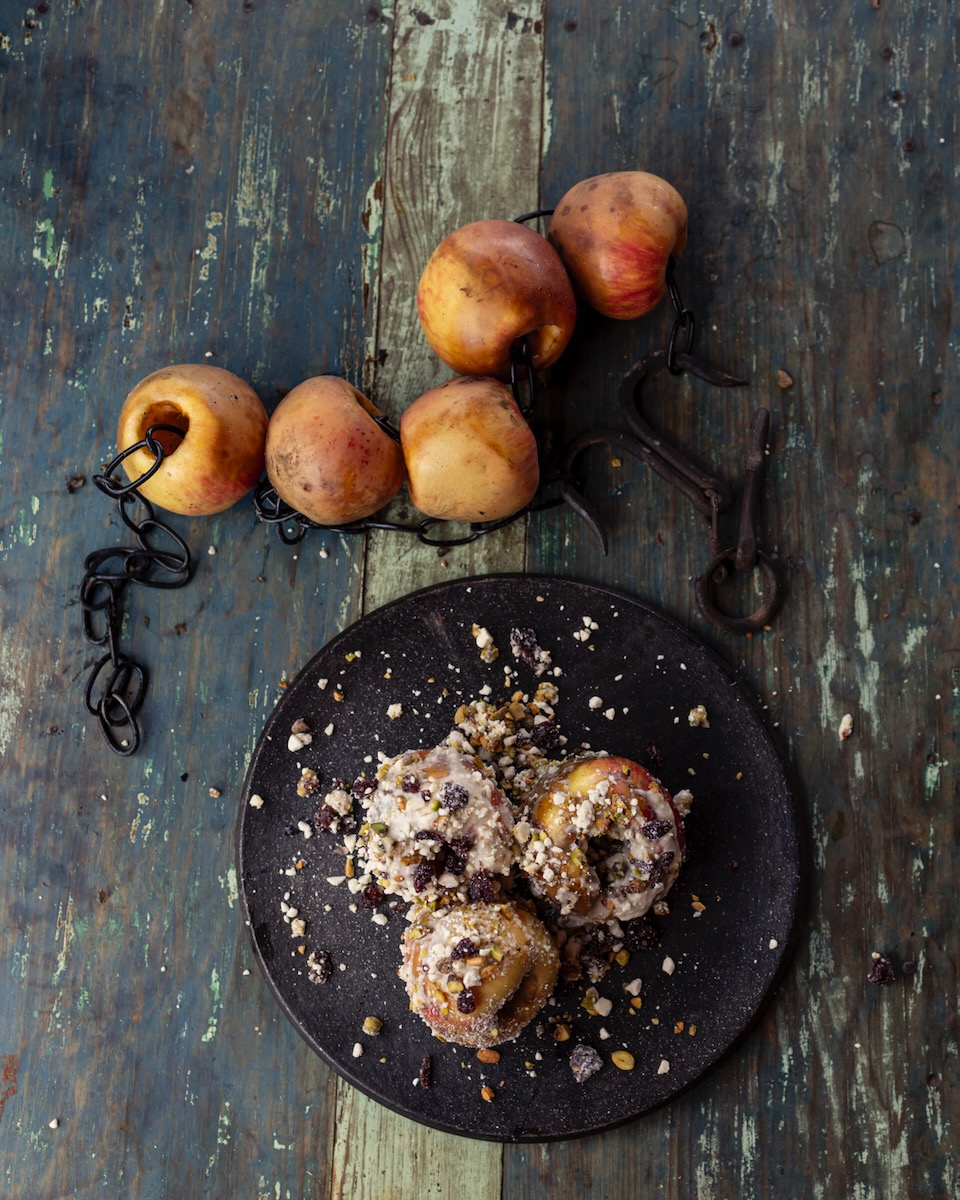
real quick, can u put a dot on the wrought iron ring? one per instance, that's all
(762, 615)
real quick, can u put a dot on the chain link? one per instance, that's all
(683, 320)
(117, 684)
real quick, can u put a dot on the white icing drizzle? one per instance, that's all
(396, 814)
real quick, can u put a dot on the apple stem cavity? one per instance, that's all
(167, 424)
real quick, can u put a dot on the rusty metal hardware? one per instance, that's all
(708, 494)
(117, 684)
(747, 554)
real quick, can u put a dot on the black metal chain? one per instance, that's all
(683, 320)
(117, 683)
(292, 526)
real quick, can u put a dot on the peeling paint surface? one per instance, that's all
(258, 187)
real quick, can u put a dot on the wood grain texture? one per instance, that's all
(170, 192)
(814, 171)
(262, 184)
(463, 145)
(456, 152)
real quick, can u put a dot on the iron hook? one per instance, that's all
(746, 555)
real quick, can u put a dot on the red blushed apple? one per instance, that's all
(219, 456)
(487, 286)
(470, 454)
(327, 457)
(615, 234)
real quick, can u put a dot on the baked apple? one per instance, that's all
(218, 456)
(488, 286)
(616, 234)
(327, 457)
(470, 454)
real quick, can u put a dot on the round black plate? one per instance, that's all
(742, 867)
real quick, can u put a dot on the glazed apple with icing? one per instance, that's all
(606, 840)
(478, 974)
(437, 827)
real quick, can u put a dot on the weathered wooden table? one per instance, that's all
(258, 186)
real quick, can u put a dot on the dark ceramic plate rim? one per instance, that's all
(398, 1094)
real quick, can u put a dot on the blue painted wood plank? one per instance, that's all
(187, 182)
(813, 153)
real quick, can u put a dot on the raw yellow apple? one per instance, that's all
(470, 454)
(219, 456)
(615, 234)
(327, 457)
(487, 286)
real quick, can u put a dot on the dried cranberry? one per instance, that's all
(422, 876)
(523, 643)
(454, 863)
(883, 971)
(656, 829)
(319, 966)
(599, 943)
(362, 787)
(639, 934)
(546, 736)
(463, 949)
(595, 954)
(426, 1072)
(466, 1002)
(349, 824)
(325, 816)
(426, 835)
(462, 845)
(584, 1062)
(658, 867)
(410, 783)
(371, 896)
(655, 755)
(482, 889)
(453, 796)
